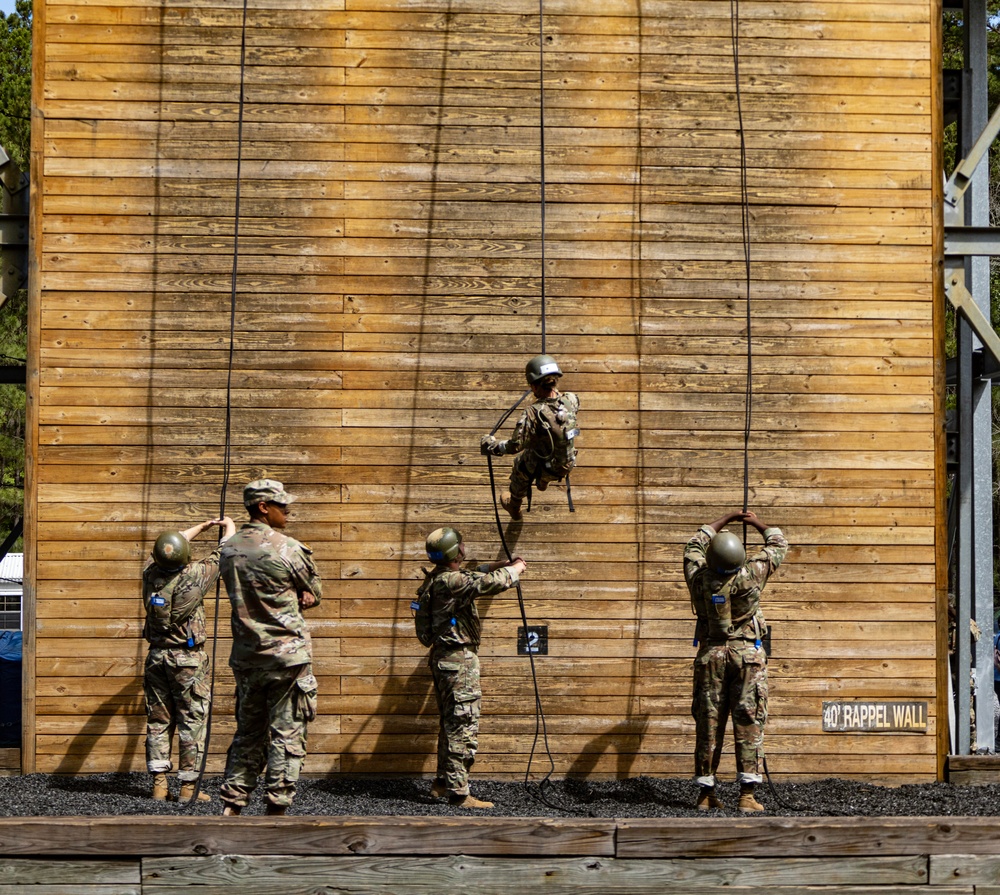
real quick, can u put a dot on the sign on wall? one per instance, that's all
(860, 717)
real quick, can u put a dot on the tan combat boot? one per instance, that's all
(231, 810)
(708, 799)
(469, 801)
(187, 793)
(512, 505)
(161, 790)
(275, 810)
(439, 790)
(747, 800)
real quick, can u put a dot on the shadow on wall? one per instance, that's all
(403, 699)
(123, 703)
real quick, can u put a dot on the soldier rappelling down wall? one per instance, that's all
(543, 439)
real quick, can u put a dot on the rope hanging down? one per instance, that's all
(734, 6)
(227, 449)
(541, 730)
(541, 157)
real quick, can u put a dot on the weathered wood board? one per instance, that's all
(394, 271)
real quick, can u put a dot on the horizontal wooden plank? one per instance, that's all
(463, 874)
(298, 836)
(85, 873)
(815, 837)
(965, 869)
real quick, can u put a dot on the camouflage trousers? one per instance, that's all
(730, 679)
(456, 686)
(178, 697)
(529, 467)
(273, 709)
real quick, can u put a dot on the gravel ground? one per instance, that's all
(39, 795)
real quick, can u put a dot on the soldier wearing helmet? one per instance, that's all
(176, 672)
(454, 661)
(543, 438)
(730, 670)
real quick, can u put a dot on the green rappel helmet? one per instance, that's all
(443, 544)
(171, 551)
(726, 554)
(539, 367)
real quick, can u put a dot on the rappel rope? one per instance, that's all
(541, 156)
(227, 449)
(541, 730)
(734, 7)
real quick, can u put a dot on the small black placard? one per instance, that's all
(535, 643)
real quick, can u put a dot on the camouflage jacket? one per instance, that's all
(454, 616)
(175, 602)
(529, 434)
(266, 572)
(728, 606)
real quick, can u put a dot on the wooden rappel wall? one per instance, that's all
(387, 296)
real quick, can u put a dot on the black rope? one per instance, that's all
(734, 7)
(541, 153)
(541, 729)
(227, 449)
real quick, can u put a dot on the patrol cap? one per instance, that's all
(266, 491)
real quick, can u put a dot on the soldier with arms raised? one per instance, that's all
(454, 630)
(730, 670)
(176, 674)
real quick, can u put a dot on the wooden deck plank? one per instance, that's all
(29, 872)
(564, 876)
(147, 836)
(639, 838)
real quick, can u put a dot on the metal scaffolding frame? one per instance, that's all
(969, 243)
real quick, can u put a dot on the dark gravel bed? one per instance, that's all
(40, 795)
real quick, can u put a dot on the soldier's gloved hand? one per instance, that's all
(489, 445)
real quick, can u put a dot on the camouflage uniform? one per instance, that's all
(265, 573)
(176, 675)
(730, 670)
(454, 663)
(533, 447)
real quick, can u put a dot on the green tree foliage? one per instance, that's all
(15, 137)
(13, 341)
(15, 84)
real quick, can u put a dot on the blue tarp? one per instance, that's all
(10, 646)
(10, 688)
